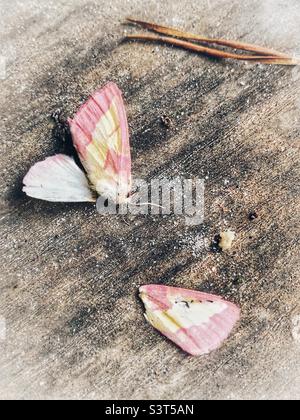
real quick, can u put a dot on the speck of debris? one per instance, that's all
(227, 238)
(253, 215)
(237, 280)
(166, 121)
(215, 245)
(57, 116)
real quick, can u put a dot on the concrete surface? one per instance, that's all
(71, 322)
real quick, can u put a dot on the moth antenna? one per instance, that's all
(147, 204)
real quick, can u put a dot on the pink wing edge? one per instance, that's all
(83, 125)
(197, 340)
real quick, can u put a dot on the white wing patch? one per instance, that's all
(58, 179)
(189, 314)
(184, 314)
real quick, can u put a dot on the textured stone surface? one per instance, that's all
(69, 277)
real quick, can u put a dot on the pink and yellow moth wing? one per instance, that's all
(101, 138)
(197, 322)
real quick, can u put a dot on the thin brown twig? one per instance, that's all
(198, 38)
(288, 61)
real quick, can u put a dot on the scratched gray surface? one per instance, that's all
(71, 323)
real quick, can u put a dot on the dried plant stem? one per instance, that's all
(288, 61)
(192, 37)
